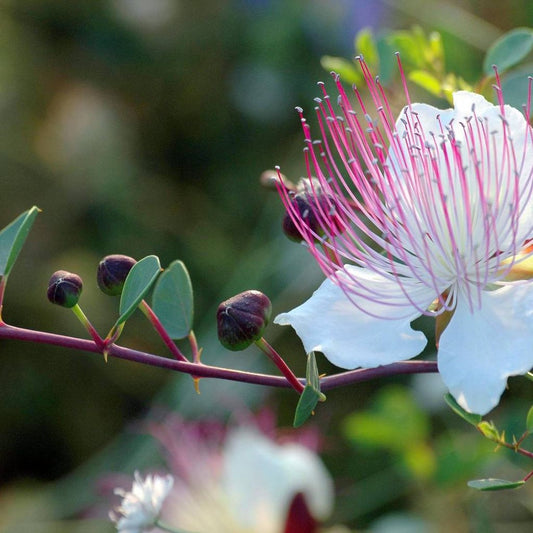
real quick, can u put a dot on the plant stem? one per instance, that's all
(207, 371)
(156, 323)
(3, 281)
(80, 315)
(263, 345)
(515, 447)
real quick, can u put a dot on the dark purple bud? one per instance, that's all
(112, 273)
(242, 319)
(64, 288)
(314, 212)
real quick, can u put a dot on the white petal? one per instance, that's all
(520, 134)
(429, 118)
(261, 478)
(330, 323)
(479, 351)
(463, 101)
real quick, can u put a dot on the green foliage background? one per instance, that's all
(147, 135)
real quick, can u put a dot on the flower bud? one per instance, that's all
(316, 212)
(112, 273)
(64, 288)
(242, 319)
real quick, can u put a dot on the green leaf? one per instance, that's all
(419, 459)
(12, 238)
(388, 64)
(408, 46)
(311, 394)
(436, 48)
(427, 81)
(515, 85)
(365, 45)
(508, 50)
(311, 373)
(140, 278)
(306, 405)
(494, 484)
(347, 70)
(172, 300)
(471, 418)
(529, 420)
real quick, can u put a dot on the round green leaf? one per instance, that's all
(12, 238)
(515, 86)
(494, 484)
(508, 50)
(172, 300)
(140, 278)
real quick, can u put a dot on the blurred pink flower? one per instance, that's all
(241, 481)
(424, 215)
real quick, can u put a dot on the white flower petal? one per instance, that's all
(330, 323)
(463, 101)
(261, 479)
(479, 351)
(519, 133)
(429, 118)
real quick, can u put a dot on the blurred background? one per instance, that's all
(142, 127)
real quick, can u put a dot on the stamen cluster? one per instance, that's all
(438, 201)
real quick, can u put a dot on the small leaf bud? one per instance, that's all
(112, 273)
(64, 288)
(242, 319)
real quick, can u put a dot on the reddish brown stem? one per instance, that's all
(156, 323)
(281, 364)
(207, 371)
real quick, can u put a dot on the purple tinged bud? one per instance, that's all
(242, 319)
(301, 205)
(315, 212)
(112, 273)
(64, 288)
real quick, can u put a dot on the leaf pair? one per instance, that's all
(172, 299)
